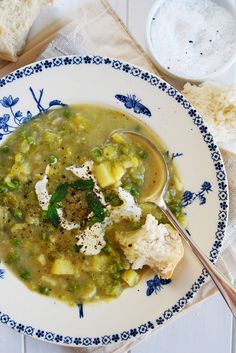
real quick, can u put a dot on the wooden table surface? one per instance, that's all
(208, 327)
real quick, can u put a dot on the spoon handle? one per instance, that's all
(227, 290)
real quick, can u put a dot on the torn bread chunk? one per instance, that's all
(16, 19)
(158, 246)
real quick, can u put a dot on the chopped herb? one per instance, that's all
(116, 275)
(44, 215)
(52, 159)
(78, 247)
(108, 249)
(82, 184)
(13, 184)
(44, 290)
(52, 216)
(16, 242)
(67, 113)
(3, 189)
(17, 213)
(23, 134)
(12, 258)
(25, 275)
(108, 197)
(95, 205)
(59, 194)
(31, 141)
(96, 219)
(116, 201)
(5, 149)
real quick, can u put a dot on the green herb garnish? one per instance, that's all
(3, 189)
(52, 216)
(82, 184)
(13, 184)
(16, 242)
(59, 194)
(96, 206)
(78, 247)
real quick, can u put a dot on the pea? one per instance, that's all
(17, 213)
(52, 159)
(5, 149)
(96, 155)
(25, 275)
(44, 290)
(143, 154)
(134, 191)
(67, 113)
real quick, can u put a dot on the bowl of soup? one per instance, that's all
(78, 247)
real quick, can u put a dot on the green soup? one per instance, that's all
(40, 252)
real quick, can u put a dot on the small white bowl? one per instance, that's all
(227, 4)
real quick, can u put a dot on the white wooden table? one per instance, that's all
(208, 327)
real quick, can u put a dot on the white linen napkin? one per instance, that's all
(97, 30)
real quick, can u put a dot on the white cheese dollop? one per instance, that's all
(41, 190)
(92, 239)
(128, 210)
(158, 246)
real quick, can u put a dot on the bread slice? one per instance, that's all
(16, 19)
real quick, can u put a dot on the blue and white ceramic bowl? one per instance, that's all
(94, 79)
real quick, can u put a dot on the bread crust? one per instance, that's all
(8, 57)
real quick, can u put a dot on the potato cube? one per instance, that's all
(42, 259)
(117, 172)
(131, 277)
(103, 174)
(62, 267)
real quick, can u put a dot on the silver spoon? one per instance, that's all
(154, 192)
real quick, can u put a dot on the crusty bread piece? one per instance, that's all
(16, 19)
(217, 105)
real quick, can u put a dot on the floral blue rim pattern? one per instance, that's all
(222, 195)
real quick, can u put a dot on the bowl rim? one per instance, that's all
(157, 4)
(117, 64)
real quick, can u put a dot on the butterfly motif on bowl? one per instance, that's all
(132, 102)
(156, 284)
